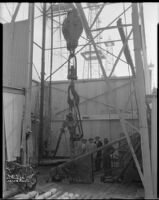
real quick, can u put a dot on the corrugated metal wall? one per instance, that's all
(97, 118)
(15, 57)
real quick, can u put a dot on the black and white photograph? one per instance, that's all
(79, 100)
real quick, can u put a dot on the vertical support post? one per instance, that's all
(140, 91)
(42, 84)
(4, 157)
(27, 112)
(154, 143)
(146, 69)
(50, 107)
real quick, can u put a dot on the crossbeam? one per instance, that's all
(89, 35)
(111, 27)
(15, 13)
(126, 50)
(89, 153)
(92, 98)
(121, 51)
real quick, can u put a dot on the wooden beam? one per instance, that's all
(111, 27)
(41, 126)
(89, 35)
(4, 157)
(92, 98)
(154, 144)
(132, 149)
(97, 15)
(105, 49)
(126, 50)
(132, 126)
(50, 89)
(121, 51)
(109, 116)
(81, 45)
(15, 13)
(90, 153)
(144, 51)
(140, 91)
(127, 102)
(37, 45)
(13, 90)
(27, 112)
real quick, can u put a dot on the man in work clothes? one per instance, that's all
(99, 154)
(83, 147)
(91, 147)
(107, 158)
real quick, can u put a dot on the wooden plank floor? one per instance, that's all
(97, 190)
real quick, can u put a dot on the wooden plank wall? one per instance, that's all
(97, 118)
(15, 54)
(13, 111)
(15, 65)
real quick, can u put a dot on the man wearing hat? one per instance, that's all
(83, 148)
(99, 154)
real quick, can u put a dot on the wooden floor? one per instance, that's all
(97, 190)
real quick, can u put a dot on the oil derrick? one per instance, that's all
(91, 66)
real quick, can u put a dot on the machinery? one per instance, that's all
(72, 29)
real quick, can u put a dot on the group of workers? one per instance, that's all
(99, 157)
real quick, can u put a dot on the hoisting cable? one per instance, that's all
(72, 30)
